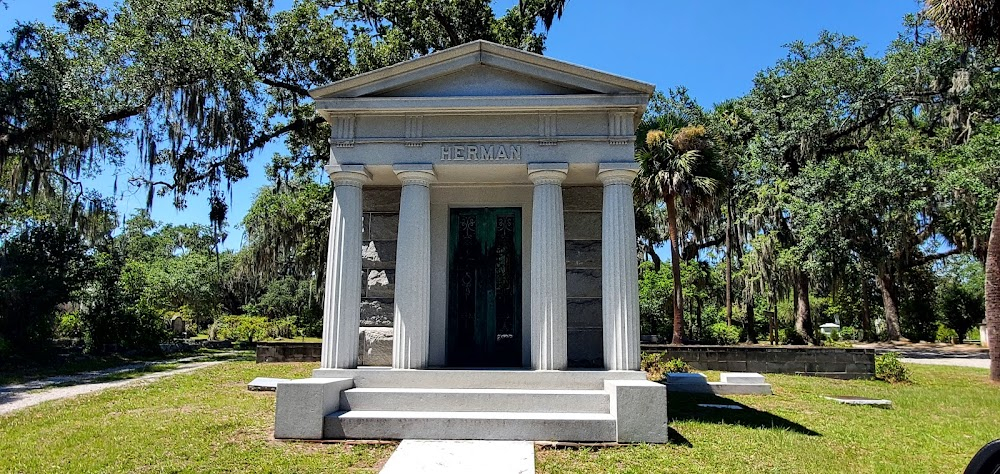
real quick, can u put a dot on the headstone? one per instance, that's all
(853, 400)
(741, 378)
(984, 335)
(264, 384)
(177, 326)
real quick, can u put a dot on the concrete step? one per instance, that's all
(480, 378)
(476, 400)
(365, 424)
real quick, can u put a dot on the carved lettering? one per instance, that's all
(496, 152)
(486, 153)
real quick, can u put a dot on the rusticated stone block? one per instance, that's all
(380, 226)
(380, 199)
(375, 347)
(583, 198)
(376, 312)
(583, 283)
(379, 254)
(584, 347)
(379, 283)
(583, 313)
(583, 254)
(582, 225)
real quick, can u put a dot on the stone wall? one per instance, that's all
(582, 215)
(820, 361)
(378, 255)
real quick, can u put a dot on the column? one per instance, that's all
(619, 273)
(548, 267)
(411, 325)
(342, 295)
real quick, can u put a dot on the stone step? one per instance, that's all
(476, 400)
(480, 378)
(365, 424)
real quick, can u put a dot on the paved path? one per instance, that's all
(18, 396)
(478, 457)
(953, 361)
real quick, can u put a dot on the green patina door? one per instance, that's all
(484, 288)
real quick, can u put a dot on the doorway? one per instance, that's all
(484, 287)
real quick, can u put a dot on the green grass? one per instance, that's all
(205, 421)
(935, 426)
(208, 421)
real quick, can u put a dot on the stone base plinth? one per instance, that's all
(577, 405)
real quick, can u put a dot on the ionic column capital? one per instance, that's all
(348, 175)
(417, 174)
(617, 173)
(547, 173)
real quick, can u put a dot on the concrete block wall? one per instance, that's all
(820, 361)
(582, 225)
(380, 212)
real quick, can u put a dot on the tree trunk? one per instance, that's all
(890, 301)
(729, 262)
(675, 267)
(803, 323)
(993, 294)
(701, 328)
(866, 313)
(751, 323)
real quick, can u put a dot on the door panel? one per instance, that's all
(484, 288)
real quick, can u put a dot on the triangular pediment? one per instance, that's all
(481, 69)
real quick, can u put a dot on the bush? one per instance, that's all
(723, 334)
(283, 328)
(676, 366)
(890, 369)
(830, 342)
(70, 326)
(849, 333)
(241, 328)
(657, 367)
(946, 334)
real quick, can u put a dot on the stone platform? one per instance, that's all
(382, 403)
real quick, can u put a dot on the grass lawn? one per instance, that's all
(205, 421)
(935, 426)
(208, 421)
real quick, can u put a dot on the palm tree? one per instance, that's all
(977, 23)
(676, 168)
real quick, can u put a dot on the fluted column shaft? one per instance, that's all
(548, 268)
(342, 294)
(411, 325)
(619, 273)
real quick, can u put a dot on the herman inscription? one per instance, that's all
(480, 152)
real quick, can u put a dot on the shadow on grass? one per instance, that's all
(684, 407)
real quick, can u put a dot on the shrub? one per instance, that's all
(830, 342)
(946, 334)
(890, 369)
(676, 366)
(657, 367)
(241, 328)
(723, 334)
(70, 326)
(284, 328)
(849, 333)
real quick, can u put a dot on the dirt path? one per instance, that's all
(18, 396)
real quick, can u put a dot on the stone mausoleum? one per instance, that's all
(482, 208)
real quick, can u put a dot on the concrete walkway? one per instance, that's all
(952, 361)
(19, 396)
(479, 457)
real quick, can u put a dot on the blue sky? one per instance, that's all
(712, 47)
